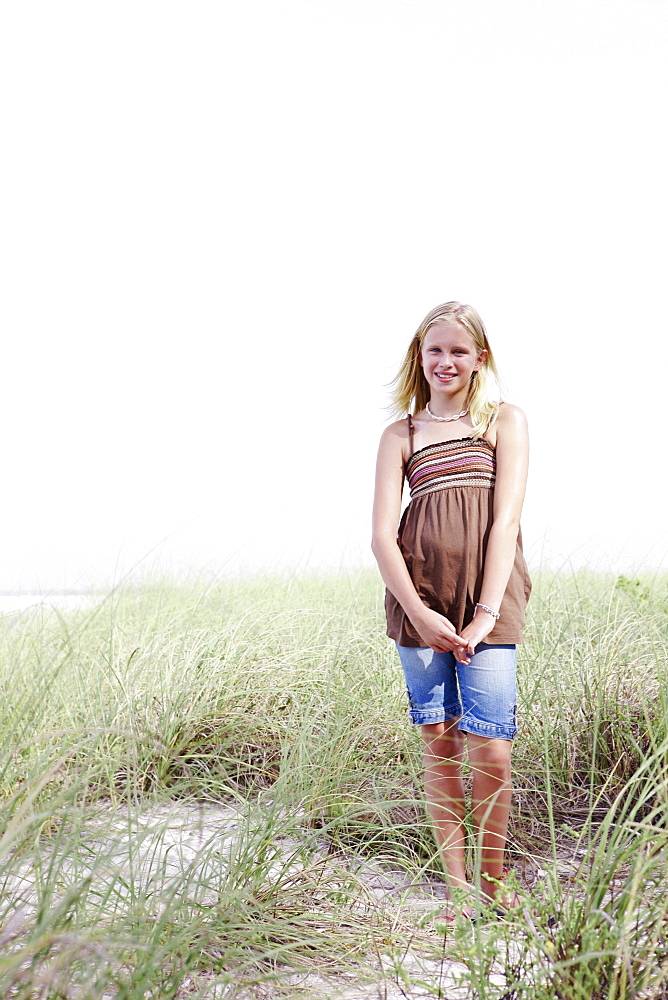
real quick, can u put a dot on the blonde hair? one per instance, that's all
(412, 389)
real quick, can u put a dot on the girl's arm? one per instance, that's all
(434, 629)
(512, 459)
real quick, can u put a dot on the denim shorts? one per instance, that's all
(483, 692)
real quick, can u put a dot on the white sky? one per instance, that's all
(222, 222)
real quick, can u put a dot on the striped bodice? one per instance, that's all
(462, 462)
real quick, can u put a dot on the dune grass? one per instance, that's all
(275, 709)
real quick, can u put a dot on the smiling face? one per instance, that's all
(449, 357)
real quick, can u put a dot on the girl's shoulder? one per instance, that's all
(509, 415)
(509, 424)
(397, 437)
(398, 430)
(391, 463)
(508, 421)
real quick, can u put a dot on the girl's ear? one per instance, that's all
(482, 357)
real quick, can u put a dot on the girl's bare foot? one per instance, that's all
(457, 909)
(453, 912)
(500, 896)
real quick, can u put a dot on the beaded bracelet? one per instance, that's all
(494, 614)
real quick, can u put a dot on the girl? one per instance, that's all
(457, 583)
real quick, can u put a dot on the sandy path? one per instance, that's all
(167, 845)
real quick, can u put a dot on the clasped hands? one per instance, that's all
(439, 634)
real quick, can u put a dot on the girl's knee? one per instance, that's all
(443, 737)
(484, 750)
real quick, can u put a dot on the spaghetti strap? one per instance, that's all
(411, 447)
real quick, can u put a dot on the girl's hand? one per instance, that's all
(438, 633)
(477, 631)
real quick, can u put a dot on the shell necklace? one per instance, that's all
(445, 419)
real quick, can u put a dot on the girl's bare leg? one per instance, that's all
(490, 805)
(444, 791)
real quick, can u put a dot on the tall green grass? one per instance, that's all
(275, 709)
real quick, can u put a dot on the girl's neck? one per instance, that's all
(447, 409)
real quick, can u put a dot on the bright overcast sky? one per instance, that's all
(222, 222)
